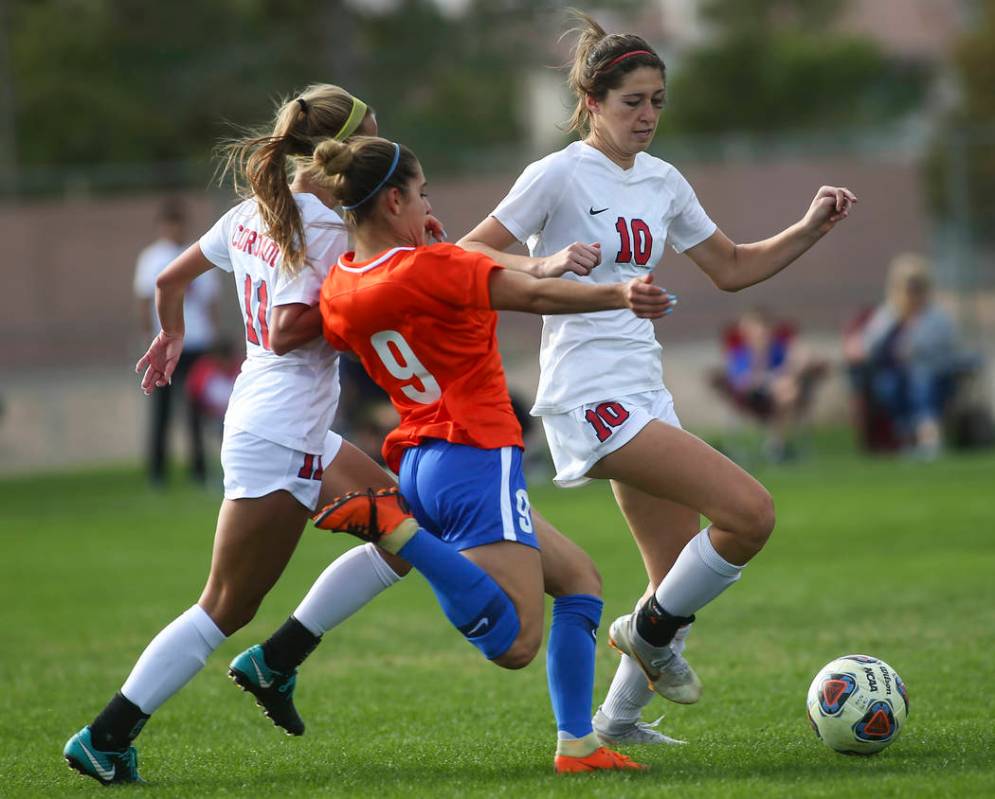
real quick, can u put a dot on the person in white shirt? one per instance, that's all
(279, 456)
(200, 308)
(602, 210)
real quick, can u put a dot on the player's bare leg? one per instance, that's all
(268, 670)
(253, 541)
(661, 529)
(518, 570)
(669, 463)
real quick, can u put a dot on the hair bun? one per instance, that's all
(332, 157)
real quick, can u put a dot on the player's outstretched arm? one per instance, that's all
(514, 291)
(159, 361)
(492, 239)
(733, 266)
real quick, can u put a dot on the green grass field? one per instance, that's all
(890, 558)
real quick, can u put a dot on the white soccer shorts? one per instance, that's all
(580, 438)
(255, 467)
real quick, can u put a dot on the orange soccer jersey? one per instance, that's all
(419, 319)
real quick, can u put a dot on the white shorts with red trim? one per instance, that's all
(580, 438)
(255, 467)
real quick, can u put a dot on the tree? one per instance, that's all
(778, 65)
(961, 166)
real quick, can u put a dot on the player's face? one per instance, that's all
(415, 209)
(627, 117)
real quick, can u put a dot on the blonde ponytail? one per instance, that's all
(260, 164)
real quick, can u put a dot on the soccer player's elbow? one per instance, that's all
(279, 343)
(726, 281)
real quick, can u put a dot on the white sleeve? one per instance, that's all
(206, 287)
(532, 199)
(145, 276)
(690, 225)
(305, 286)
(214, 243)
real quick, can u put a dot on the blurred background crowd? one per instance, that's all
(109, 112)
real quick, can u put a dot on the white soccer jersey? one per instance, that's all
(288, 399)
(579, 194)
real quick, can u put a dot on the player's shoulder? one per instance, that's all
(444, 252)
(559, 164)
(653, 166)
(314, 210)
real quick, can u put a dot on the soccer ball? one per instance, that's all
(857, 705)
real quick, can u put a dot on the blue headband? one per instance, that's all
(380, 185)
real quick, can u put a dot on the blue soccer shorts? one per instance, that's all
(468, 496)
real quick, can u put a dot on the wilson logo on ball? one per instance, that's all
(878, 723)
(834, 692)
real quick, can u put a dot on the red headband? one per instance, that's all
(624, 56)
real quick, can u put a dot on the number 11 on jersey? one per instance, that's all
(259, 293)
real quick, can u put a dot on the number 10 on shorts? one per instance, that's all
(604, 418)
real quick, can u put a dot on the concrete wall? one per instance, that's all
(67, 314)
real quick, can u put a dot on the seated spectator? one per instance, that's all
(770, 376)
(905, 360)
(211, 379)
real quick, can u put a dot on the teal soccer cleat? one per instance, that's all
(274, 691)
(105, 767)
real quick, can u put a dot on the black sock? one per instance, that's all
(657, 627)
(117, 725)
(286, 649)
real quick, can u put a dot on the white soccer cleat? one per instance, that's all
(620, 733)
(668, 673)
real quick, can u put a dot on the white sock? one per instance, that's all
(349, 582)
(629, 692)
(699, 575)
(172, 658)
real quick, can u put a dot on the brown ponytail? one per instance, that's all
(357, 170)
(599, 64)
(260, 163)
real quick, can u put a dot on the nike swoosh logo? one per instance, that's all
(592, 212)
(104, 773)
(479, 625)
(263, 683)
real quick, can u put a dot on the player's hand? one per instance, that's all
(646, 300)
(434, 228)
(577, 258)
(831, 204)
(159, 362)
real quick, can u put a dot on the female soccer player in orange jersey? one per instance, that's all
(600, 212)
(422, 319)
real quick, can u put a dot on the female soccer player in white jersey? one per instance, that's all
(278, 454)
(601, 210)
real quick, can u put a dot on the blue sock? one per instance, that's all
(471, 600)
(570, 661)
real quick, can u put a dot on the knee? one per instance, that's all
(758, 519)
(230, 613)
(581, 576)
(521, 652)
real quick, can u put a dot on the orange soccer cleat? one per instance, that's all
(601, 759)
(380, 517)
